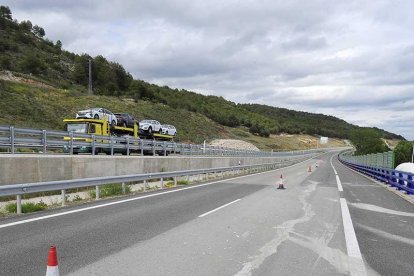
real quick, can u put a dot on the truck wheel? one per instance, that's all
(113, 123)
(96, 117)
(124, 124)
(150, 130)
(160, 131)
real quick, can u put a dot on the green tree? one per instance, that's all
(26, 26)
(58, 44)
(38, 31)
(403, 152)
(5, 63)
(32, 64)
(5, 13)
(80, 71)
(367, 141)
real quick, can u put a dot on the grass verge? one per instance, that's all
(110, 190)
(28, 207)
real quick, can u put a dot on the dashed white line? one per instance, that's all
(338, 182)
(336, 173)
(218, 208)
(356, 266)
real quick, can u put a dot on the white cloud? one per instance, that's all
(354, 60)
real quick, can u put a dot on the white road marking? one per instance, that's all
(338, 182)
(218, 208)
(135, 198)
(357, 266)
(379, 209)
(336, 173)
(362, 185)
(387, 235)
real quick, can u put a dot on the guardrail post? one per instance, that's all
(44, 142)
(162, 183)
(145, 185)
(410, 182)
(141, 145)
(191, 149)
(127, 144)
(97, 192)
(175, 147)
(153, 148)
(123, 188)
(164, 146)
(111, 141)
(19, 204)
(12, 139)
(71, 142)
(93, 144)
(63, 194)
(175, 181)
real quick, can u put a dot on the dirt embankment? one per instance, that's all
(9, 76)
(233, 143)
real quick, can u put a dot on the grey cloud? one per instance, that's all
(353, 59)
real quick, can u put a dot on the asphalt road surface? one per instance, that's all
(239, 226)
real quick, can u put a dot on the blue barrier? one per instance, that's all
(400, 180)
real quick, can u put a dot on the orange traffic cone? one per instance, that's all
(281, 186)
(310, 169)
(52, 263)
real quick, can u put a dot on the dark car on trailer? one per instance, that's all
(125, 120)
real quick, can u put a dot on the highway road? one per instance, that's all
(331, 221)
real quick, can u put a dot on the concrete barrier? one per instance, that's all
(15, 169)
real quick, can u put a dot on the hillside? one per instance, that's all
(43, 83)
(34, 106)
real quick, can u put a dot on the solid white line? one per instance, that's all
(338, 182)
(357, 266)
(135, 198)
(336, 173)
(218, 208)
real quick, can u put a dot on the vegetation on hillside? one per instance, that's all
(25, 50)
(26, 105)
(367, 141)
(403, 152)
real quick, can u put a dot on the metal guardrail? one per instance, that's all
(49, 141)
(63, 185)
(400, 180)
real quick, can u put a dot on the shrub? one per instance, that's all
(77, 198)
(27, 207)
(179, 182)
(110, 190)
(403, 152)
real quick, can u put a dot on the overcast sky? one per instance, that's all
(353, 60)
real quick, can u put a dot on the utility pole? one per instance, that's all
(90, 78)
